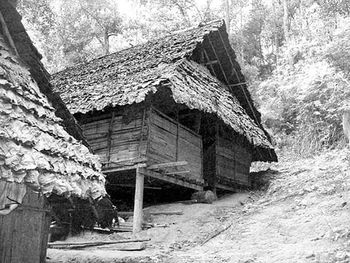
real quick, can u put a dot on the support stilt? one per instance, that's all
(138, 202)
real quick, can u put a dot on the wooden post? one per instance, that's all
(177, 134)
(138, 202)
(141, 132)
(217, 168)
(109, 138)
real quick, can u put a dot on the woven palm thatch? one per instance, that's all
(35, 148)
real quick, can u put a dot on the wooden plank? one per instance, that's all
(162, 142)
(138, 202)
(155, 157)
(126, 247)
(167, 165)
(130, 161)
(124, 168)
(189, 138)
(124, 152)
(174, 121)
(120, 125)
(94, 243)
(178, 172)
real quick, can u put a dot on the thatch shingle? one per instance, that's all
(35, 149)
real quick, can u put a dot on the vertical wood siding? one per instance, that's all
(171, 142)
(233, 161)
(230, 161)
(24, 232)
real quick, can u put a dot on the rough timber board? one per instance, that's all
(24, 232)
(169, 179)
(225, 159)
(126, 140)
(177, 144)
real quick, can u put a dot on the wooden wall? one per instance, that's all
(170, 141)
(118, 140)
(24, 232)
(143, 136)
(231, 161)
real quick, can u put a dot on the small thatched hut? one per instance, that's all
(38, 156)
(181, 99)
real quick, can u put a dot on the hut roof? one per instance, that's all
(125, 69)
(127, 76)
(35, 149)
(32, 58)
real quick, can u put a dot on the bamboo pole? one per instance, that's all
(138, 202)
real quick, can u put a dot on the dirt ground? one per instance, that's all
(302, 215)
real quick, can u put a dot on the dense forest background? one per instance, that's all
(295, 54)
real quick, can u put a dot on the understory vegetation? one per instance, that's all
(295, 54)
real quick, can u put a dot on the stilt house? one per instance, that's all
(175, 108)
(37, 154)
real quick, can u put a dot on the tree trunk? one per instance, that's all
(275, 33)
(286, 20)
(106, 42)
(227, 15)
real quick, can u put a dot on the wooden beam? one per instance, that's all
(138, 202)
(178, 172)
(7, 34)
(133, 186)
(237, 84)
(239, 80)
(170, 179)
(217, 57)
(229, 57)
(210, 65)
(225, 187)
(129, 161)
(125, 168)
(177, 134)
(211, 62)
(166, 165)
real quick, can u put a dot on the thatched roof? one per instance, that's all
(35, 149)
(31, 57)
(126, 77)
